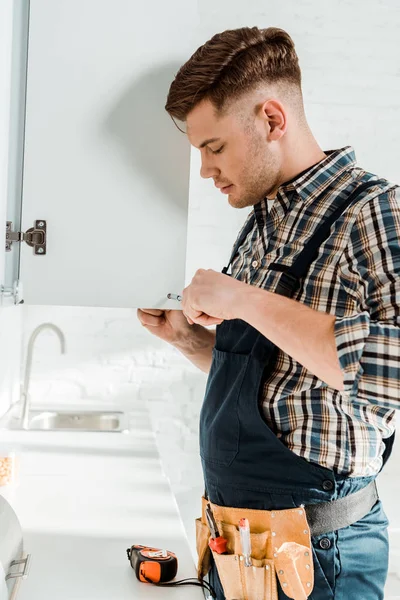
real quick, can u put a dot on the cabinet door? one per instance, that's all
(104, 164)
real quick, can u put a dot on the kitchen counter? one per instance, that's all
(82, 499)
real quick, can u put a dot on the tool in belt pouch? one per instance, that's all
(280, 544)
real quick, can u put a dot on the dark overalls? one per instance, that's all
(246, 465)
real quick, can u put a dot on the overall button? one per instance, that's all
(324, 543)
(327, 485)
(254, 263)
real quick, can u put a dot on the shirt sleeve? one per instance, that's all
(368, 342)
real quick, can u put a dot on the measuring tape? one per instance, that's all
(156, 566)
(152, 565)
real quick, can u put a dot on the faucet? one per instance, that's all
(28, 366)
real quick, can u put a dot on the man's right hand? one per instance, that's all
(169, 325)
(194, 341)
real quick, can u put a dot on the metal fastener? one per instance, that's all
(40, 250)
(328, 485)
(272, 514)
(306, 554)
(300, 512)
(307, 566)
(325, 543)
(40, 224)
(267, 567)
(284, 584)
(273, 533)
(308, 584)
(280, 572)
(275, 555)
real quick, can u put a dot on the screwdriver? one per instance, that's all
(244, 529)
(217, 543)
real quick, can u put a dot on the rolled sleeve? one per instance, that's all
(351, 334)
(368, 342)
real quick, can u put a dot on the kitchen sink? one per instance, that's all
(84, 421)
(46, 420)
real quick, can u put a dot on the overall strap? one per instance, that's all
(291, 276)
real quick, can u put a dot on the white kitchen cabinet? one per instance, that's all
(101, 162)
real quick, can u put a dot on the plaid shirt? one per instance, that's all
(356, 277)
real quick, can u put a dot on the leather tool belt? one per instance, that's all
(280, 544)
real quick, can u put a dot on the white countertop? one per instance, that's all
(82, 500)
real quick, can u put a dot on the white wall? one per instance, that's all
(351, 70)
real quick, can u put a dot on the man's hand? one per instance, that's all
(212, 297)
(169, 325)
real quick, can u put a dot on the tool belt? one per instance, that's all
(280, 544)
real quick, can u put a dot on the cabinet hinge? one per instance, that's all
(34, 237)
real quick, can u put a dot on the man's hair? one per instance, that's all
(230, 64)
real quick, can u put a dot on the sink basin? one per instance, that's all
(83, 421)
(45, 420)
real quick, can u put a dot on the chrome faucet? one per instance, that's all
(28, 367)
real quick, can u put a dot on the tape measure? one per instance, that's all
(152, 565)
(156, 566)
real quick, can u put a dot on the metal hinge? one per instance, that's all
(34, 237)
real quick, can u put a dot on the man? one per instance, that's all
(304, 363)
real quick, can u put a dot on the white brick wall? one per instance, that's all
(351, 72)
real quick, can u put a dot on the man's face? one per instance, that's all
(240, 155)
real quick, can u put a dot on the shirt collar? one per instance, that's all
(312, 182)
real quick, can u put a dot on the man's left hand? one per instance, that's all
(212, 297)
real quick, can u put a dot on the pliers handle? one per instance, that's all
(217, 543)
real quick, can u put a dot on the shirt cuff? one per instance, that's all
(351, 334)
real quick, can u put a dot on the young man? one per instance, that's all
(303, 366)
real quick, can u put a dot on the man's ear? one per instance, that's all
(274, 115)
